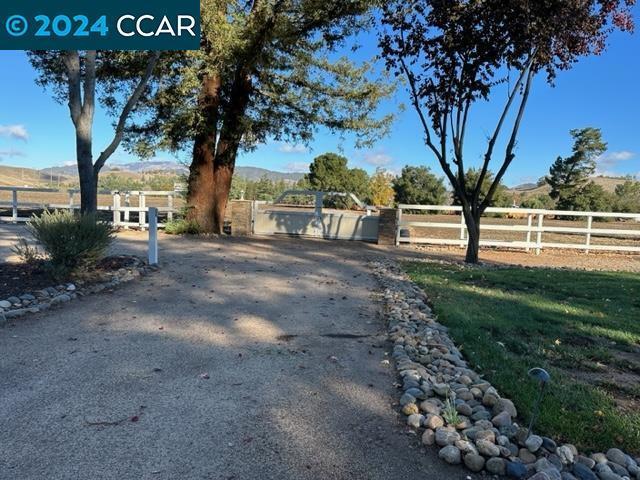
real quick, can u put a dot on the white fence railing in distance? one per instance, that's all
(14, 204)
(121, 213)
(535, 225)
(120, 205)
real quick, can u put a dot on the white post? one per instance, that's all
(398, 220)
(70, 192)
(170, 205)
(529, 223)
(142, 215)
(14, 205)
(254, 211)
(589, 222)
(127, 203)
(153, 236)
(116, 209)
(539, 236)
(462, 226)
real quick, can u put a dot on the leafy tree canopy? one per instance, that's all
(329, 173)
(418, 186)
(500, 198)
(569, 177)
(455, 53)
(282, 54)
(381, 187)
(628, 196)
(541, 201)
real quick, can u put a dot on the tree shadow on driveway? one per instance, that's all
(240, 358)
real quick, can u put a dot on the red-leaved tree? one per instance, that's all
(454, 53)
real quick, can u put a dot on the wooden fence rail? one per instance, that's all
(528, 242)
(120, 206)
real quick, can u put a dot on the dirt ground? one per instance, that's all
(547, 258)
(258, 358)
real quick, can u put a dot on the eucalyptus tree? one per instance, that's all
(266, 70)
(118, 80)
(455, 54)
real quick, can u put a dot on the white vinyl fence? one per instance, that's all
(120, 206)
(417, 231)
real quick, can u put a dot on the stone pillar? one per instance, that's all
(387, 226)
(241, 217)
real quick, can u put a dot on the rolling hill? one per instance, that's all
(23, 176)
(531, 189)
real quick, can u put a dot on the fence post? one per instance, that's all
(70, 192)
(254, 211)
(539, 236)
(153, 236)
(14, 206)
(388, 228)
(142, 215)
(529, 223)
(462, 226)
(170, 205)
(116, 209)
(127, 203)
(241, 213)
(589, 222)
(398, 220)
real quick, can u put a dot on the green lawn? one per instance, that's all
(583, 327)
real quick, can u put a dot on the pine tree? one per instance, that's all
(569, 177)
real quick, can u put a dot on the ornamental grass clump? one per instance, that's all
(73, 243)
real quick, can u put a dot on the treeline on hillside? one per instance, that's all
(147, 181)
(330, 173)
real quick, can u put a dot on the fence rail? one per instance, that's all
(533, 230)
(120, 206)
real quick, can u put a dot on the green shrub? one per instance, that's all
(73, 243)
(541, 201)
(182, 226)
(27, 253)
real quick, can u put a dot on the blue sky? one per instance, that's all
(599, 91)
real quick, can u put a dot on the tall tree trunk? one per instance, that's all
(223, 167)
(213, 162)
(472, 220)
(223, 175)
(201, 182)
(88, 181)
(88, 193)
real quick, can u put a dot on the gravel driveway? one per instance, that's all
(240, 359)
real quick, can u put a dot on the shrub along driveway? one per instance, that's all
(239, 359)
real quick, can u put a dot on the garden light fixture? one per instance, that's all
(543, 377)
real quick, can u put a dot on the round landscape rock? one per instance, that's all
(474, 462)
(439, 387)
(450, 454)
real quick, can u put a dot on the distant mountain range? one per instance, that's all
(256, 173)
(250, 173)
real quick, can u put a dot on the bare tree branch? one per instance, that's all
(126, 111)
(496, 133)
(509, 155)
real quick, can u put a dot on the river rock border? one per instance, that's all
(463, 414)
(41, 300)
